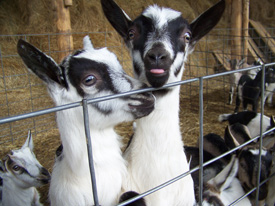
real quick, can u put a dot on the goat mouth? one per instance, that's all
(144, 107)
(157, 79)
(44, 180)
(157, 72)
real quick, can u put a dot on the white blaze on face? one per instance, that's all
(161, 16)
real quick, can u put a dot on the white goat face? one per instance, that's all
(160, 39)
(90, 73)
(22, 167)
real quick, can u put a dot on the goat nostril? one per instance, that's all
(152, 57)
(45, 172)
(162, 57)
(157, 58)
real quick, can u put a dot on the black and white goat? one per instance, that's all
(248, 156)
(225, 188)
(249, 90)
(88, 73)
(234, 78)
(220, 184)
(209, 171)
(22, 173)
(160, 40)
(249, 118)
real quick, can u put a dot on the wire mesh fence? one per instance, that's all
(25, 104)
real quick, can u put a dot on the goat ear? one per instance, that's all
(39, 63)
(29, 141)
(229, 139)
(206, 21)
(226, 176)
(117, 17)
(236, 134)
(87, 43)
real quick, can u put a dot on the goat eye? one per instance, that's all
(16, 168)
(89, 80)
(131, 34)
(187, 37)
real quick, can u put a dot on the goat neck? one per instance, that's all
(15, 196)
(156, 155)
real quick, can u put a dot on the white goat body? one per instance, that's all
(88, 73)
(22, 173)
(162, 155)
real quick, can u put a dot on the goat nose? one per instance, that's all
(156, 57)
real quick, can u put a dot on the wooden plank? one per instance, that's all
(63, 24)
(236, 29)
(266, 37)
(221, 58)
(255, 51)
(245, 28)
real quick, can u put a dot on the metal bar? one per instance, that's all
(38, 113)
(76, 104)
(68, 106)
(201, 141)
(261, 135)
(90, 150)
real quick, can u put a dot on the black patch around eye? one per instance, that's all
(79, 68)
(175, 28)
